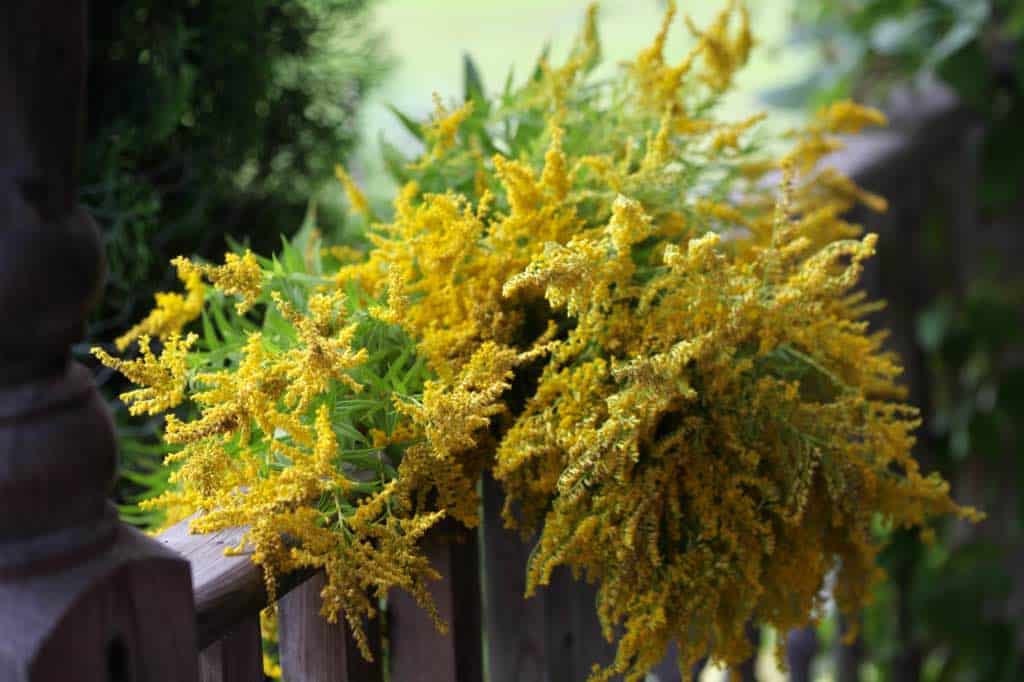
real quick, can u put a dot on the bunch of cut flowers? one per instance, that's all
(641, 322)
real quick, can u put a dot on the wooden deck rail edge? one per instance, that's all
(228, 589)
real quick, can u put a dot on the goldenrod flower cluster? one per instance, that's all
(647, 329)
(357, 200)
(172, 311)
(240, 275)
(161, 379)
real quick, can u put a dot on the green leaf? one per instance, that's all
(291, 257)
(1015, 21)
(394, 161)
(544, 54)
(955, 39)
(236, 246)
(414, 128)
(224, 328)
(933, 324)
(508, 84)
(473, 85)
(210, 338)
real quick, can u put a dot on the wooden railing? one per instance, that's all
(85, 598)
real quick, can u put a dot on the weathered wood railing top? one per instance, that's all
(228, 589)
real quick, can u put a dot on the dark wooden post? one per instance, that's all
(313, 650)
(82, 596)
(747, 670)
(801, 648)
(554, 635)
(514, 627)
(417, 651)
(849, 657)
(236, 657)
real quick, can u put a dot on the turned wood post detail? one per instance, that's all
(81, 596)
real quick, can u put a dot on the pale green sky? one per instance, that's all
(429, 38)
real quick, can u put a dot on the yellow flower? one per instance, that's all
(723, 54)
(555, 177)
(172, 312)
(323, 354)
(444, 127)
(356, 199)
(240, 276)
(664, 361)
(162, 379)
(451, 415)
(849, 117)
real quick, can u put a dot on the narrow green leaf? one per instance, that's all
(472, 84)
(394, 161)
(224, 328)
(210, 338)
(414, 128)
(537, 70)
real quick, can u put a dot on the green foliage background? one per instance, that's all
(866, 47)
(948, 614)
(213, 118)
(207, 120)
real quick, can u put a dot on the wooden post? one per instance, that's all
(554, 635)
(848, 657)
(313, 650)
(801, 648)
(747, 670)
(237, 657)
(513, 626)
(417, 651)
(83, 597)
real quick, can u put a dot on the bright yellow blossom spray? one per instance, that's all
(589, 289)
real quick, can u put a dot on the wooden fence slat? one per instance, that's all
(237, 657)
(539, 639)
(514, 626)
(313, 650)
(574, 638)
(668, 669)
(801, 648)
(417, 652)
(747, 670)
(849, 657)
(559, 633)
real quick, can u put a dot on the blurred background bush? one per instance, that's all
(953, 610)
(866, 48)
(210, 118)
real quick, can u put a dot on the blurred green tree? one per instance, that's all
(214, 118)
(209, 121)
